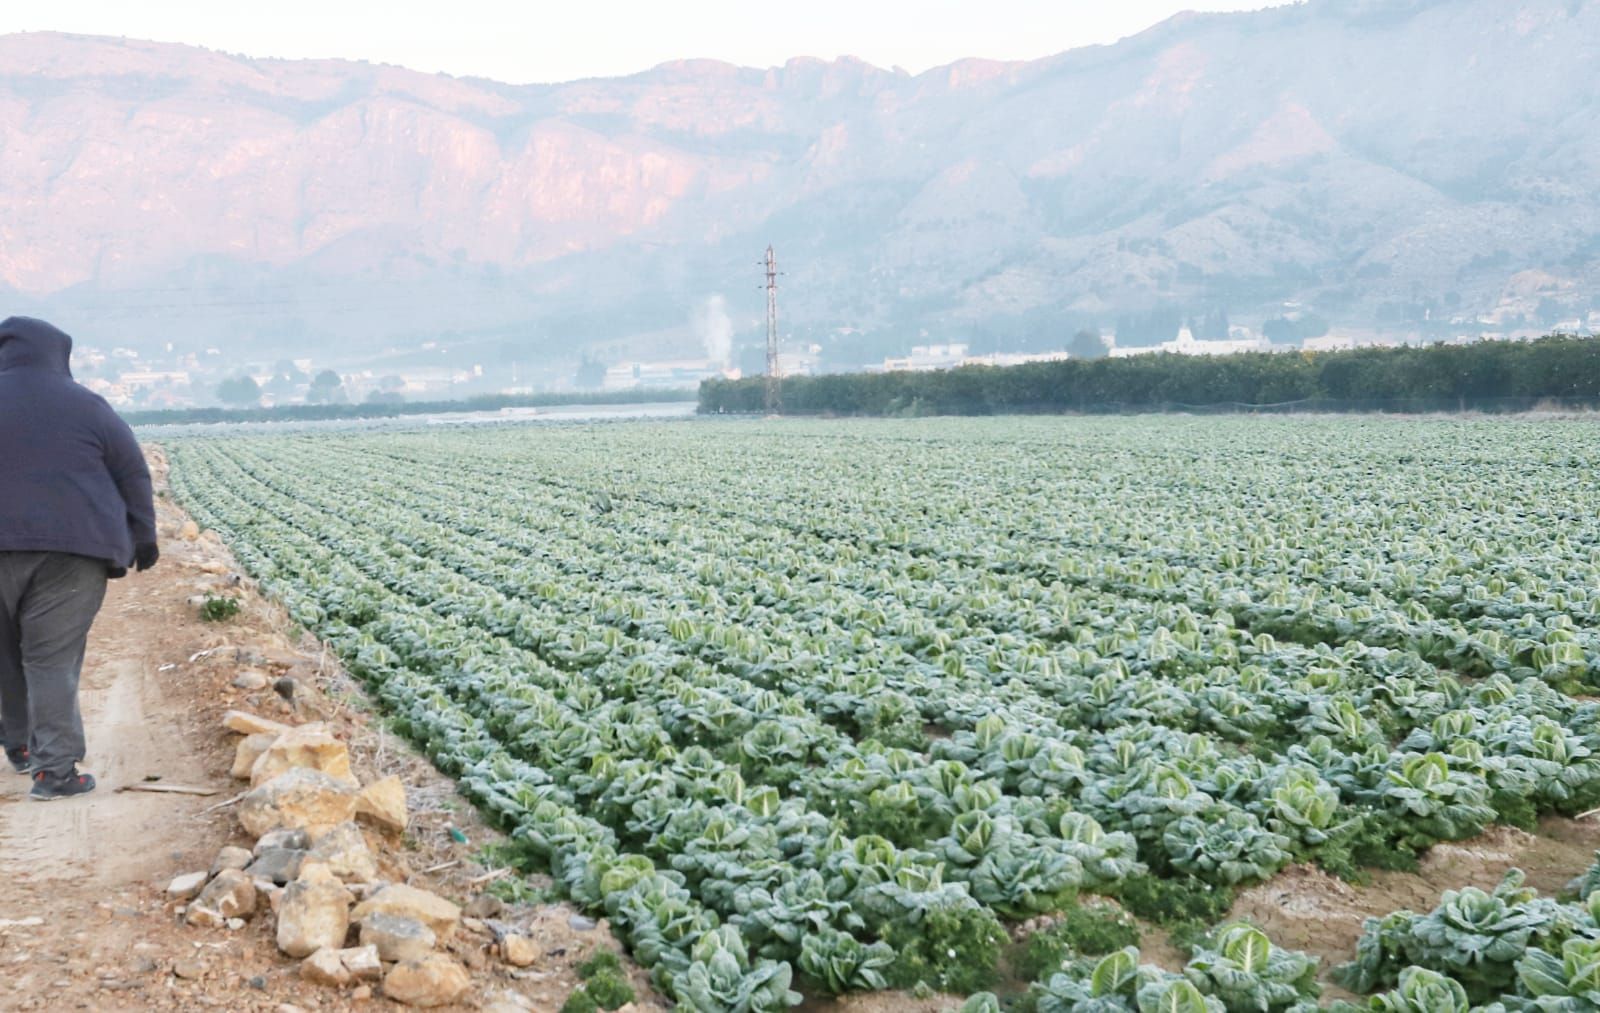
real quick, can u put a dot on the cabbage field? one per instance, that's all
(827, 706)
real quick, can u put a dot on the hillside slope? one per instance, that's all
(1366, 159)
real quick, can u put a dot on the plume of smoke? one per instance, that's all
(714, 329)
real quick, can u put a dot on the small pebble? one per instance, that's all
(188, 968)
(250, 680)
(484, 905)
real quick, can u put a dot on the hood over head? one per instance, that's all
(26, 343)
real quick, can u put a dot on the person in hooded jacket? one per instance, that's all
(75, 509)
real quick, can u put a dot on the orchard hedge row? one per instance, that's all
(1487, 375)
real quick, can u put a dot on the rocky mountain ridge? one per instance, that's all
(1392, 162)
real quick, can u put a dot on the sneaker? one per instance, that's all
(20, 759)
(48, 787)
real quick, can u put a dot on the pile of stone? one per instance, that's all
(313, 868)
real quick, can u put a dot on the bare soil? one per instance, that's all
(1306, 909)
(84, 922)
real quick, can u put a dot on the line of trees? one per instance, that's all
(1486, 375)
(242, 392)
(380, 410)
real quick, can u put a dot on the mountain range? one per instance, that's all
(1374, 162)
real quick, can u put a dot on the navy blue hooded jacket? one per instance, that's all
(72, 477)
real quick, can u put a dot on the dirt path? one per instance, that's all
(86, 867)
(84, 921)
(127, 715)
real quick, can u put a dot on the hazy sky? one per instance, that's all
(540, 40)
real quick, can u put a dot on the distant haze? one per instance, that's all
(547, 42)
(1416, 165)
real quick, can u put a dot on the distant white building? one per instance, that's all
(928, 357)
(668, 373)
(115, 393)
(154, 378)
(803, 362)
(1345, 342)
(1014, 358)
(925, 358)
(1187, 344)
(433, 379)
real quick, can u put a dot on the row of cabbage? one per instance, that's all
(1508, 950)
(814, 742)
(1341, 718)
(1479, 571)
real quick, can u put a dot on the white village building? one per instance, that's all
(1187, 344)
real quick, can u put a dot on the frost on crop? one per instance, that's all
(837, 703)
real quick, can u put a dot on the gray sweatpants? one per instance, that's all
(48, 601)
